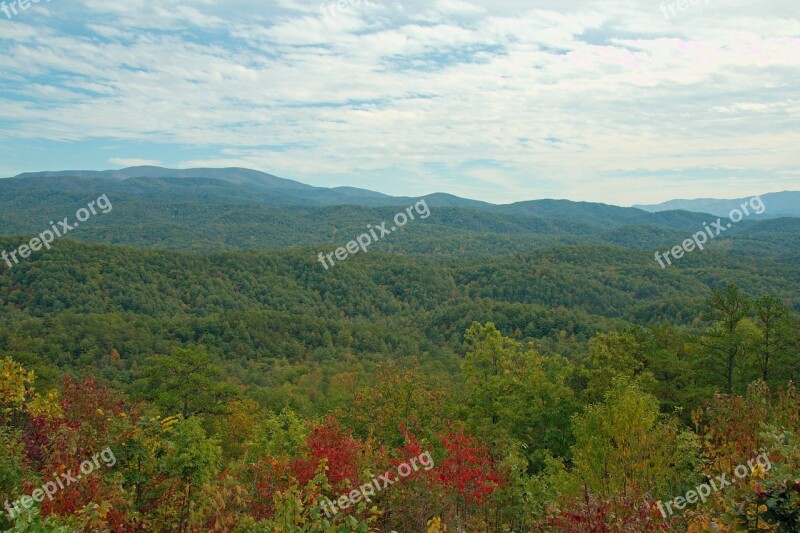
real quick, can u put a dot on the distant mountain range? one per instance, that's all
(257, 186)
(281, 191)
(778, 204)
(236, 208)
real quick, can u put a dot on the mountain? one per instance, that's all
(238, 176)
(240, 184)
(209, 210)
(199, 328)
(778, 204)
(252, 185)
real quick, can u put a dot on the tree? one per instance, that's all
(398, 398)
(186, 382)
(724, 339)
(193, 459)
(517, 396)
(625, 448)
(613, 355)
(772, 318)
(15, 391)
(469, 471)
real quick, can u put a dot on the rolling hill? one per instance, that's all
(778, 204)
(210, 210)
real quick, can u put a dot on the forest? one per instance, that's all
(570, 388)
(418, 266)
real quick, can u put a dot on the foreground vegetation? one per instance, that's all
(528, 444)
(564, 390)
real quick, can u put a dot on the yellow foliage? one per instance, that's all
(435, 525)
(167, 423)
(17, 394)
(15, 384)
(48, 406)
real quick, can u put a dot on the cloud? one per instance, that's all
(399, 97)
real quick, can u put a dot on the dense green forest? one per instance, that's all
(205, 215)
(548, 374)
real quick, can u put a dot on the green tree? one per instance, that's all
(625, 447)
(772, 318)
(725, 340)
(187, 382)
(281, 435)
(614, 355)
(193, 459)
(516, 395)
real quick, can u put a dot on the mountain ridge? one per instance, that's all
(778, 204)
(292, 192)
(209, 213)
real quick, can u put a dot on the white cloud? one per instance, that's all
(591, 100)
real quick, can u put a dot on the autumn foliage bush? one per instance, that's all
(233, 466)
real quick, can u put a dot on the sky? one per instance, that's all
(621, 102)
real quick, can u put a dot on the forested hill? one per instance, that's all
(70, 306)
(781, 204)
(189, 325)
(205, 214)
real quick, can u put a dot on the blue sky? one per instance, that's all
(615, 101)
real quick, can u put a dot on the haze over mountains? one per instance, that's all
(779, 204)
(216, 209)
(281, 191)
(242, 183)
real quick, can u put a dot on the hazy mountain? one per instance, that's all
(212, 209)
(252, 185)
(239, 176)
(778, 204)
(240, 183)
